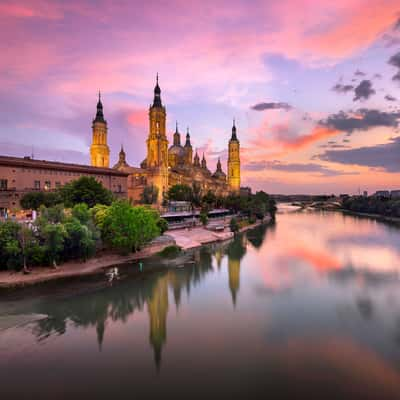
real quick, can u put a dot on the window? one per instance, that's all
(3, 184)
(58, 185)
(119, 188)
(36, 185)
(47, 185)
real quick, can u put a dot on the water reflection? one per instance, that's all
(313, 300)
(118, 302)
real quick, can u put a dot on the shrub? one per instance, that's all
(162, 225)
(204, 218)
(10, 251)
(233, 225)
(170, 251)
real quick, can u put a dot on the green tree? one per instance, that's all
(180, 193)
(53, 214)
(80, 241)
(162, 225)
(54, 236)
(33, 200)
(149, 194)
(82, 213)
(85, 190)
(210, 199)
(128, 228)
(196, 197)
(233, 225)
(10, 250)
(99, 213)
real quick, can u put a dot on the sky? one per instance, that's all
(314, 86)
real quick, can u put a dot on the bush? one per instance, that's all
(233, 225)
(162, 225)
(204, 218)
(170, 251)
(10, 251)
(180, 193)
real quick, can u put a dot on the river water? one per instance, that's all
(306, 308)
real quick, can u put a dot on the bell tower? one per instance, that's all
(188, 149)
(234, 161)
(99, 150)
(157, 144)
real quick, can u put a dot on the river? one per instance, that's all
(306, 308)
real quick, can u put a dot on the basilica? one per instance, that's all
(166, 165)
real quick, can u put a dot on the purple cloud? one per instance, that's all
(385, 156)
(271, 106)
(318, 169)
(364, 90)
(340, 88)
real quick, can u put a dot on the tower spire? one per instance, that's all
(157, 94)
(234, 136)
(99, 113)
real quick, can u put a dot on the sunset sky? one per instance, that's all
(314, 85)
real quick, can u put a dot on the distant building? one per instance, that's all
(395, 194)
(21, 175)
(365, 193)
(384, 194)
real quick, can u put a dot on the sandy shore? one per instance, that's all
(187, 239)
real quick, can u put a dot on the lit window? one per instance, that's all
(47, 185)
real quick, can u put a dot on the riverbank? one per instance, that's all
(330, 207)
(184, 238)
(378, 217)
(70, 269)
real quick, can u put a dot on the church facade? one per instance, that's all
(165, 165)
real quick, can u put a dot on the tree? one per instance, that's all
(33, 200)
(81, 212)
(80, 241)
(196, 197)
(10, 251)
(233, 225)
(162, 225)
(128, 228)
(85, 190)
(203, 218)
(180, 193)
(204, 214)
(99, 213)
(210, 199)
(54, 237)
(149, 194)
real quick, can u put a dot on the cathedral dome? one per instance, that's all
(177, 150)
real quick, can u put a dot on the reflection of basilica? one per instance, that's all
(116, 303)
(236, 250)
(157, 306)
